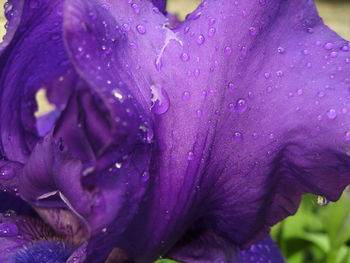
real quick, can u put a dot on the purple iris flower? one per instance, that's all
(187, 140)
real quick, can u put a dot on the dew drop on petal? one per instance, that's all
(334, 54)
(145, 176)
(262, 2)
(200, 39)
(7, 173)
(347, 136)
(8, 229)
(186, 95)
(190, 156)
(252, 31)
(230, 86)
(126, 27)
(211, 31)
(185, 57)
(322, 201)
(160, 100)
(328, 46)
(321, 94)
(141, 29)
(136, 8)
(280, 50)
(228, 50)
(279, 73)
(241, 105)
(332, 114)
(238, 136)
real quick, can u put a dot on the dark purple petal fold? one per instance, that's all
(207, 247)
(36, 53)
(90, 155)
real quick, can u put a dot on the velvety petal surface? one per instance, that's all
(207, 247)
(250, 103)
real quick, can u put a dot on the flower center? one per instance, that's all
(44, 252)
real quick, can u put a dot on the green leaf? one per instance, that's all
(165, 260)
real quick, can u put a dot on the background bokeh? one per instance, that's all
(320, 231)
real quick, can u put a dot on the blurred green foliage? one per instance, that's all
(317, 234)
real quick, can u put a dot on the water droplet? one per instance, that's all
(8, 229)
(118, 165)
(241, 105)
(199, 113)
(328, 46)
(212, 21)
(197, 72)
(310, 30)
(262, 2)
(186, 29)
(347, 136)
(300, 92)
(252, 31)
(126, 27)
(230, 86)
(279, 73)
(321, 94)
(345, 48)
(185, 57)
(237, 136)
(230, 106)
(332, 114)
(228, 50)
(211, 31)
(186, 95)
(190, 156)
(7, 172)
(334, 54)
(196, 15)
(280, 50)
(160, 100)
(267, 75)
(155, 10)
(322, 201)
(244, 50)
(145, 176)
(136, 8)
(141, 29)
(200, 39)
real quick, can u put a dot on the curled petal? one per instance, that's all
(31, 54)
(257, 117)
